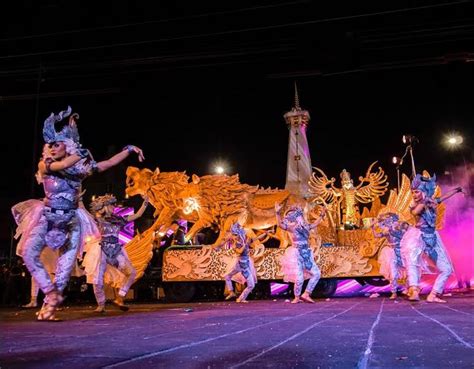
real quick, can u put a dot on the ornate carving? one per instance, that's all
(207, 264)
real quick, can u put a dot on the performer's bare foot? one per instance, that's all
(432, 297)
(393, 296)
(120, 304)
(296, 300)
(230, 296)
(414, 294)
(307, 298)
(31, 304)
(52, 301)
(100, 309)
(243, 301)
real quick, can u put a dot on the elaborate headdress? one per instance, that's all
(388, 218)
(69, 131)
(99, 202)
(237, 230)
(294, 212)
(426, 185)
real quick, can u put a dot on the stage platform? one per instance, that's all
(341, 332)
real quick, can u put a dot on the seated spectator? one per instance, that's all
(177, 237)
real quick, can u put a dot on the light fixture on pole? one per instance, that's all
(398, 163)
(410, 141)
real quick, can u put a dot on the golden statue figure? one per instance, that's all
(346, 198)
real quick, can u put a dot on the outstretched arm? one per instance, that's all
(261, 236)
(417, 209)
(228, 238)
(140, 211)
(118, 158)
(319, 220)
(45, 166)
(451, 193)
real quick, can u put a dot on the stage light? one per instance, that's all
(220, 166)
(409, 139)
(453, 141)
(397, 161)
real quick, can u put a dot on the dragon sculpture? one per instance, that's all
(346, 198)
(207, 201)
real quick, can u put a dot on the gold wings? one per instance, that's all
(399, 203)
(322, 186)
(376, 186)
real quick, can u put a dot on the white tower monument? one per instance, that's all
(298, 169)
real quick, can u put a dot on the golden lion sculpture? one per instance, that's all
(207, 201)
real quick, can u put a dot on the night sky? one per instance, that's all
(194, 82)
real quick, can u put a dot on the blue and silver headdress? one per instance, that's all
(293, 213)
(388, 218)
(237, 230)
(69, 131)
(426, 185)
(101, 201)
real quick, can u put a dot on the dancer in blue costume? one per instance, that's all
(242, 264)
(423, 239)
(298, 262)
(109, 251)
(390, 259)
(59, 221)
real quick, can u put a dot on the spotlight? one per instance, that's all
(220, 166)
(409, 139)
(453, 141)
(397, 161)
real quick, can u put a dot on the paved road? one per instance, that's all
(339, 333)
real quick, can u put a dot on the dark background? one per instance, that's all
(192, 82)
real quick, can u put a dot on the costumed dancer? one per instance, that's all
(59, 221)
(423, 240)
(242, 267)
(298, 262)
(390, 258)
(109, 252)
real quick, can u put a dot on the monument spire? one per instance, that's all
(298, 169)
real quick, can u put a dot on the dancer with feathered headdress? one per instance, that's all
(423, 239)
(298, 262)
(59, 221)
(109, 251)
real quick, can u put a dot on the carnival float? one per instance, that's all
(344, 245)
